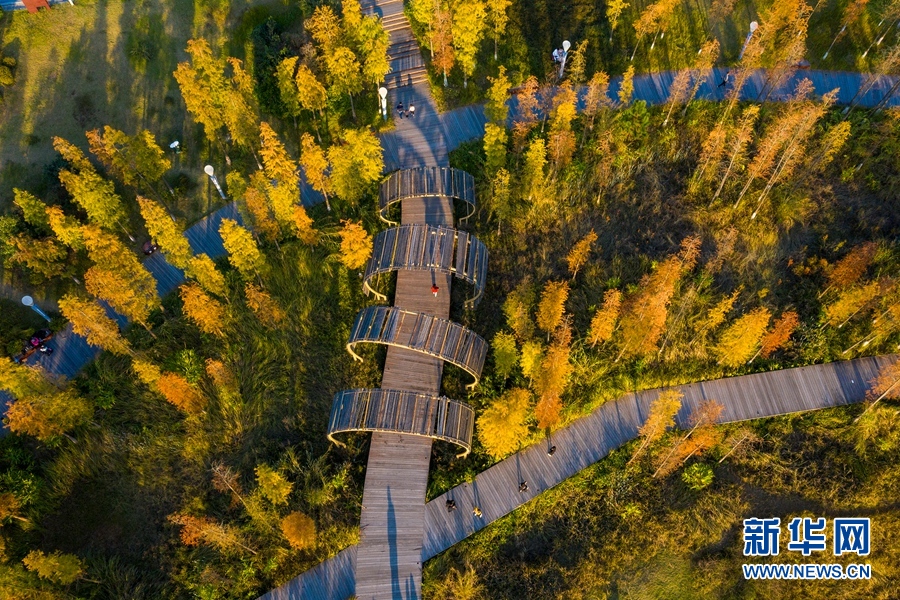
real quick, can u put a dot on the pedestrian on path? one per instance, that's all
(451, 505)
(400, 109)
(435, 289)
(551, 450)
(412, 110)
(477, 512)
(523, 487)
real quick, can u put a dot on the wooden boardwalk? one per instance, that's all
(589, 439)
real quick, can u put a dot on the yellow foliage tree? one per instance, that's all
(60, 568)
(700, 437)
(661, 417)
(551, 380)
(531, 357)
(505, 354)
(740, 340)
(146, 371)
(282, 169)
(67, 229)
(579, 253)
(517, 308)
(604, 322)
(181, 394)
(299, 530)
(264, 306)
(850, 302)
(166, 233)
(315, 167)
(850, 268)
(48, 415)
(206, 312)
(356, 245)
(90, 321)
(243, 253)
(203, 269)
(502, 426)
(552, 305)
(273, 485)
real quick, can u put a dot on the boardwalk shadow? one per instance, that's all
(396, 593)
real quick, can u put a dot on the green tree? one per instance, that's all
(273, 485)
(495, 140)
(497, 19)
(57, 567)
(356, 164)
(33, 210)
(344, 75)
(506, 357)
(468, 27)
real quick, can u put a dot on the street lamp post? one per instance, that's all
(562, 66)
(382, 91)
(753, 26)
(29, 302)
(208, 169)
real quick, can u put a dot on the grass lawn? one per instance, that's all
(104, 62)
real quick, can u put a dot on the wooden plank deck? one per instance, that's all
(591, 438)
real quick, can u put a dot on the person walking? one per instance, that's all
(435, 289)
(523, 487)
(400, 109)
(477, 512)
(412, 110)
(551, 450)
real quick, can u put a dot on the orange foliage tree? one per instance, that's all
(604, 322)
(299, 530)
(181, 394)
(661, 417)
(208, 313)
(739, 341)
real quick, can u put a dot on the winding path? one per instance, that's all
(589, 439)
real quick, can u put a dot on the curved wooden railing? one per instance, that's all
(400, 411)
(426, 182)
(420, 247)
(421, 332)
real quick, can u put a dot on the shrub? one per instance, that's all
(6, 75)
(698, 476)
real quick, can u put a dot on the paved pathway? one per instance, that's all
(589, 439)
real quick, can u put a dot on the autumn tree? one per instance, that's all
(61, 568)
(495, 140)
(596, 98)
(701, 436)
(166, 233)
(561, 138)
(311, 94)
(468, 27)
(204, 271)
(506, 357)
(644, 319)
(740, 340)
(614, 10)
(90, 321)
(850, 302)
(253, 200)
(849, 269)
(885, 385)
(661, 416)
(146, 371)
(517, 307)
(551, 381)
(533, 170)
(531, 358)
(203, 87)
(205, 311)
(444, 55)
(273, 485)
(49, 414)
(181, 394)
(552, 305)
(33, 210)
(526, 114)
(780, 333)
(299, 530)
(579, 253)
(45, 258)
(66, 228)
(604, 322)
(496, 108)
(243, 253)
(130, 158)
(119, 278)
(356, 163)
(96, 195)
(281, 169)
(264, 306)
(741, 137)
(626, 89)
(205, 530)
(502, 426)
(497, 18)
(344, 74)
(356, 245)
(315, 167)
